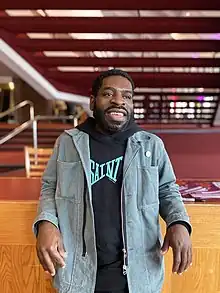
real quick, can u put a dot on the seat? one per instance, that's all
(36, 169)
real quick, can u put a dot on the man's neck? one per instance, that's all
(106, 132)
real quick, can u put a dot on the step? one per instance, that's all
(10, 167)
(11, 147)
(12, 157)
(41, 126)
(30, 133)
(28, 141)
(47, 135)
(14, 173)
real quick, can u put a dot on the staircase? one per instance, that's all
(12, 152)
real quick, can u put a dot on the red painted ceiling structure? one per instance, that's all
(149, 32)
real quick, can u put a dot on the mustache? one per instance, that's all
(115, 107)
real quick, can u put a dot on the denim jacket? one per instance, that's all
(148, 191)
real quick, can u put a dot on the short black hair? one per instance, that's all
(98, 81)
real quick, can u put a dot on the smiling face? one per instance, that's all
(113, 106)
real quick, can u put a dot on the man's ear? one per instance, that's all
(92, 103)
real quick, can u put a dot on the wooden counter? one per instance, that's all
(20, 271)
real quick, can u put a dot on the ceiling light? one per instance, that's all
(19, 12)
(60, 54)
(74, 13)
(76, 68)
(11, 85)
(192, 104)
(206, 105)
(174, 36)
(41, 12)
(98, 54)
(40, 36)
(139, 98)
(208, 99)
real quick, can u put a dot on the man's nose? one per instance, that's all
(118, 99)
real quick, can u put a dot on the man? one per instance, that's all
(102, 192)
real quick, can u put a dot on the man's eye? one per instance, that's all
(129, 97)
(107, 94)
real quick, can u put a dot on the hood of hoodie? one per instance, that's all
(89, 127)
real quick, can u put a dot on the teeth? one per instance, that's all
(117, 113)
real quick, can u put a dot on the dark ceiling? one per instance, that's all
(167, 46)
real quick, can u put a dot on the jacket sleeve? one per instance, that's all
(47, 207)
(172, 208)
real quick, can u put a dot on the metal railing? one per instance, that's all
(33, 122)
(19, 106)
(50, 118)
(21, 127)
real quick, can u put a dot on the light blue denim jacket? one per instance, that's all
(148, 190)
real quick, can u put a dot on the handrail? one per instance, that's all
(39, 117)
(19, 106)
(34, 122)
(21, 127)
(30, 122)
(48, 117)
(16, 131)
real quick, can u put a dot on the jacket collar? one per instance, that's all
(81, 141)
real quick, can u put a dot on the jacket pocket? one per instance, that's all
(64, 276)
(70, 181)
(147, 187)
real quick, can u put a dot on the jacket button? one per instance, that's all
(148, 154)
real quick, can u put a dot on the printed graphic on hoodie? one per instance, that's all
(108, 169)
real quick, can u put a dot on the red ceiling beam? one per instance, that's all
(77, 89)
(180, 94)
(111, 24)
(112, 4)
(127, 62)
(10, 40)
(3, 13)
(145, 79)
(33, 45)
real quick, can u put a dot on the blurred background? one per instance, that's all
(49, 55)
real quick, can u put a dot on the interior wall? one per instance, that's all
(23, 92)
(194, 155)
(20, 271)
(4, 102)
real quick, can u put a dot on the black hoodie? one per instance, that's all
(107, 158)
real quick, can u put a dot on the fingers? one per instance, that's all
(61, 250)
(165, 247)
(176, 259)
(50, 258)
(189, 262)
(46, 262)
(184, 261)
(56, 257)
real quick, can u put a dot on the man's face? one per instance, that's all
(113, 106)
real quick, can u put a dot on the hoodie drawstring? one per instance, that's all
(84, 215)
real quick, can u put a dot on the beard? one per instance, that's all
(108, 126)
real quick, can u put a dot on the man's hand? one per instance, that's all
(178, 238)
(50, 248)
